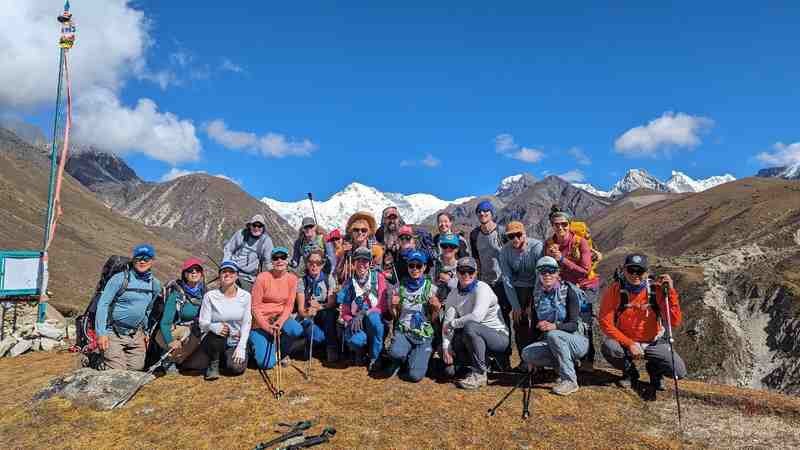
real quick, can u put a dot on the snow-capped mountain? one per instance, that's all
(791, 172)
(680, 182)
(334, 212)
(592, 190)
(636, 179)
(514, 185)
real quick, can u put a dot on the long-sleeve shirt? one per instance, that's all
(577, 269)
(273, 297)
(479, 306)
(518, 268)
(217, 310)
(638, 322)
(189, 312)
(243, 249)
(132, 308)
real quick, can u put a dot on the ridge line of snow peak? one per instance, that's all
(640, 178)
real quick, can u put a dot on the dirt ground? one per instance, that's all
(238, 412)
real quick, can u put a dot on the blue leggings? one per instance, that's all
(324, 327)
(263, 345)
(371, 333)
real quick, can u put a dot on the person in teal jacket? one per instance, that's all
(178, 329)
(123, 311)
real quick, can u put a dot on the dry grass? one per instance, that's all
(186, 412)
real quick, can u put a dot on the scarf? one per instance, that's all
(312, 284)
(413, 284)
(633, 289)
(195, 292)
(144, 276)
(468, 288)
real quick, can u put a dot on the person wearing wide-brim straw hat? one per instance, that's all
(360, 232)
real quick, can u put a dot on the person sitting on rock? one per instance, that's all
(473, 326)
(312, 236)
(364, 298)
(360, 233)
(632, 314)
(415, 308)
(249, 249)
(178, 331)
(123, 311)
(274, 294)
(225, 321)
(558, 333)
(317, 311)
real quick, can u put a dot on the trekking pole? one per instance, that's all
(491, 412)
(526, 399)
(665, 292)
(313, 441)
(265, 376)
(141, 382)
(278, 366)
(295, 430)
(310, 351)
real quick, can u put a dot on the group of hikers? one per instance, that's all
(399, 301)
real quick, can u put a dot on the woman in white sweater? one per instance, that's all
(472, 325)
(225, 320)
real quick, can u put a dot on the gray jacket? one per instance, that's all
(519, 268)
(251, 254)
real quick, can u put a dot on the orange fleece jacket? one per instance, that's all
(273, 297)
(637, 323)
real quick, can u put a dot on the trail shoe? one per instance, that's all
(374, 365)
(170, 368)
(657, 381)
(332, 354)
(212, 371)
(629, 379)
(472, 381)
(565, 387)
(391, 369)
(286, 361)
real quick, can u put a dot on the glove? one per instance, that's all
(356, 323)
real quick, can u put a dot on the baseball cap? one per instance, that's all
(278, 250)
(449, 239)
(308, 221)
(636, 260)
(467, 262)
(362, 253)
(229, 265)
(515, 227)
(406, 230)
(416, 255)
(144, 250)
(546, 261)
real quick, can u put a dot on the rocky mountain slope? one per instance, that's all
(514, 185)
(93, 168)
(791, 172)
(88, 233)
(335, 211)
(734, 251)
(679, 182)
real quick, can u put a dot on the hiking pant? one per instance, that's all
(263, 345)
(505, 310)
(216, 348)
(657, 356)
(414, 351)
(471, 343)
(523, 330)
(125, 352)
(371, 333)
(559, 349)
(588, 317)
(189, 343)
(323, 326)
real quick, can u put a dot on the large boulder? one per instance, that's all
(100, 390)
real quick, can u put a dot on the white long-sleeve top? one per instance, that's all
(480, 306)
(218, 310)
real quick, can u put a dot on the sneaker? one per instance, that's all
(565, 388)
(472, 381)
(332, 354)
(212, 371)
(286, 361)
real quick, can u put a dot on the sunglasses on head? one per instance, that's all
(194, 270)
(280, 256)
(142, 259)
(416, 266)
(465, 271)
(359, 230)
(560, 224)
(314, 262)
(449, 247)
(257, 225)
(548, 270)
(635, 270)
(514, 235)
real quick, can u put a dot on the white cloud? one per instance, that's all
(782, 155)
(271, 145)
(181, 58)
(580, 156)
(504, 144)
(100, 119)
(177, 173)
(662, 134)
(407, 163)
(429, 161)
(111, 46)
(573, 176)
(230, 66)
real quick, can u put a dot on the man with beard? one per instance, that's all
(389, 232)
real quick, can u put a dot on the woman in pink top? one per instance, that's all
(273, 296)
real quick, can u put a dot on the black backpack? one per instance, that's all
(624, 300)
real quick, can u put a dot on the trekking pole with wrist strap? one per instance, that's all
(311, 344)
(665, 292)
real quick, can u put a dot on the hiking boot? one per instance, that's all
(629, 379)
(391, 369)
(658, 383)
(472, 381)
(374, 365)
(565, 387)
(332, 354)
(212, 371)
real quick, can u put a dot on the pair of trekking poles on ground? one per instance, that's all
(529, 376)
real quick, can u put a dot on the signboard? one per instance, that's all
(20, 274)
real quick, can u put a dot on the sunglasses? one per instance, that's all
(314, 262)
(405, 238)
(194, 270)
(548, 270)
(359, 230)
(280, 256)
(415, 266)
(336, 239)
(515, 235)
(257, 225)
(484, 211)
(465, 271)
(391, 217)
(449, 247)
(142, 259)
(560, 224)
(633, 270)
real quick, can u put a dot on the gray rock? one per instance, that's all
(47, 345)
(6, 344)
(20, 347)
(100, 390)
(49, 330)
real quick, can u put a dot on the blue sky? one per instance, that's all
(367, 93)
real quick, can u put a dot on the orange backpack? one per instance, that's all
(581, 231)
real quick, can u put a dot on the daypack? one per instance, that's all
(157, 312)
(308, 286)
(425, 242)
(624, 302)
(580, 231)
